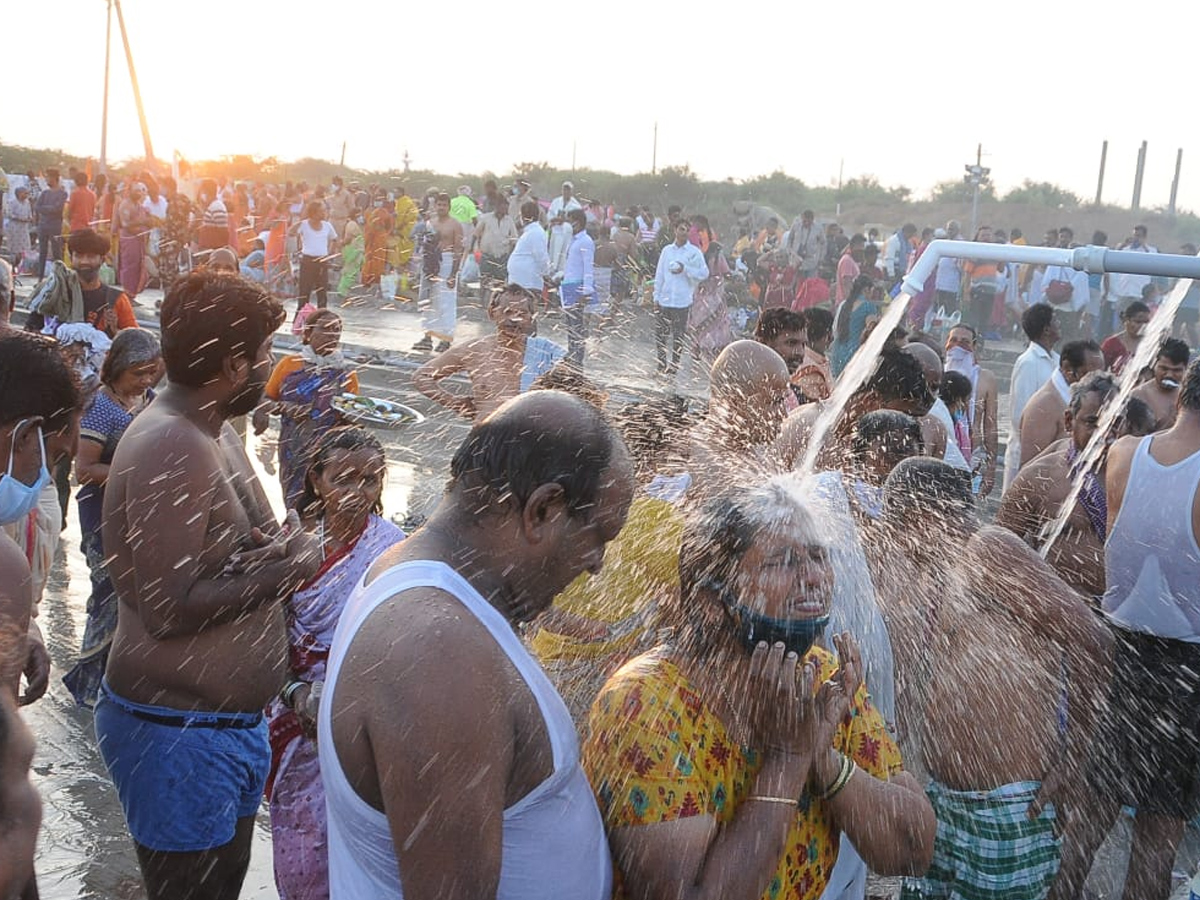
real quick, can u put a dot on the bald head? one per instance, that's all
(930, 362)
(748, 384)
(535, 439)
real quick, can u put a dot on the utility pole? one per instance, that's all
(574, 145)
(654, 156)
(1100, 180)
(104, 114)
(137, 93)
(407, 161)
(1137, 178)
(977, 176)
(1175, 183)
(342, 161)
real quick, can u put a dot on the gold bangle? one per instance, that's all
(848, 769)
(761, 798)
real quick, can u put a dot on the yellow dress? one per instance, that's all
(657, 752)
(400, 249)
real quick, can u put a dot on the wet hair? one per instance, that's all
(1075, 354)
(512, 288)
(651, 426)
(1175, 351)
(512, 453)
(1036, 319)
(920, 492)
(899, 429)
(315, 318)
(956, 388)
(208, 317)
(36, 380)
(1138, 417)
(344, 437)
(819, 323)
(131, 347)
(567, 377)
(1102, 383)
(718, 534)
(898, 376)
(1189, 391)
(776, 321)
(1137, 307)
(88, 242)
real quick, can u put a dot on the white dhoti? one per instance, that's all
(442, 315)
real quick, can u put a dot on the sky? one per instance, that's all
(903, 92)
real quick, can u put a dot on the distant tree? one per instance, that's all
(959, 192)
(1042, 193)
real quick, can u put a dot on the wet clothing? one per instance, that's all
(1147, 749)
(657, 752)
(442, 316)
(987, 847)
(184, 777)
(298, 829)
(553, 840)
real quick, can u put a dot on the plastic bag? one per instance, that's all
(388, 285)
(469, 273)
(301, 317)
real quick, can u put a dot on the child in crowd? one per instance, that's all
(956, 394)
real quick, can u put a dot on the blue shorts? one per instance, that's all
(184, 778)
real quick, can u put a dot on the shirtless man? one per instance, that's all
(500, 366)
(1042, 420)
(1161, 391)
(451, 764)
(961, 344)
(199, 567)
(734, 444)
(440, 289)
(993, 653)
(897, 383)
(1040, 489)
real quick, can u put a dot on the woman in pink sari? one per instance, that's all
(341, 505)
(708, 318)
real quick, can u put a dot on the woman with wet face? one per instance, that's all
(300, 391)
(341, 504)
(132, 367)
(727, 761)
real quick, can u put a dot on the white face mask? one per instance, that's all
(17, 498)
(958, 358)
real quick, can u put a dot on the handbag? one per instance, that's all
(1059, 291)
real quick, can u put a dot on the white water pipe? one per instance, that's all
(1090, 259)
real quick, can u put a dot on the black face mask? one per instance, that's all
(87, 273)
(796, 635)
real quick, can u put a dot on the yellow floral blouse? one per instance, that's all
(657, 752)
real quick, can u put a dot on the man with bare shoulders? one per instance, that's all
(992, 667)
(1037, 494)
(1147, 753)
(982, 410)
(450, 763)
(1043, 419)
(735, 443)
(439, 285)
(500, 366)
(199, 567)
(1160, 393)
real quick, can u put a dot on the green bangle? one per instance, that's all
(288, 694)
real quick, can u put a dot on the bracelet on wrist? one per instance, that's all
(843, 778)
(763, 798)
(288, 695)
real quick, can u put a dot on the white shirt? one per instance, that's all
(560, 207)
(156, 209)
(530, 261)
(674, 290)
(1032, 369)
(314, 241)
(1081, 291)
(1123, 284)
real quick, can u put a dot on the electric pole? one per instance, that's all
(977, 176)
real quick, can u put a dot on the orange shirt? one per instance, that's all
(293, 363)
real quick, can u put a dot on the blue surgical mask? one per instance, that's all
(796, 635)
(18, 499)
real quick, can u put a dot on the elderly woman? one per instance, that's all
(131, 368)
(730, 761)
(18, 216)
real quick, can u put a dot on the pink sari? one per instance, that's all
(294, 788)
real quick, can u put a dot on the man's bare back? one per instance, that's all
(1161, 403)
(178, 504)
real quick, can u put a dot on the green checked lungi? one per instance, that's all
(987, 848)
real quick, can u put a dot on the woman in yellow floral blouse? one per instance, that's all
(728, 762)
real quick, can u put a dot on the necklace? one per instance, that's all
(321, 537)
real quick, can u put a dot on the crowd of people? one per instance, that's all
(767, 648)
